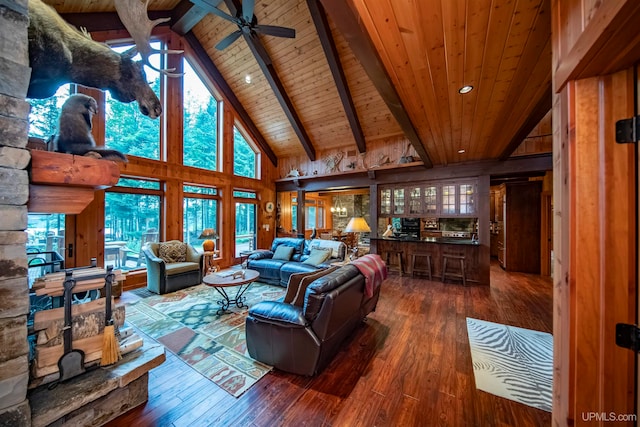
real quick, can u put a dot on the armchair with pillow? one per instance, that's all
(172, 266)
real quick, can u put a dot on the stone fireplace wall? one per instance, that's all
(14, 192)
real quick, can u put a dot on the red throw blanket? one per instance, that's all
(374, 271)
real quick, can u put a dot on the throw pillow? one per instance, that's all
(306, 281)
(294, 284)
(283, 252)
(173, 251)
(317, 256)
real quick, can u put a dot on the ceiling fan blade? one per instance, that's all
(273, 30)
(225, 42)
(210, 6)
(247, 10)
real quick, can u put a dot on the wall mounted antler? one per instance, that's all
(59, 53)
(133, 14)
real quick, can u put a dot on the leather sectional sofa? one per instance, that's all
(277, 271)
(303, 340)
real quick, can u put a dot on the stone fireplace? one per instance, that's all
(14, 193)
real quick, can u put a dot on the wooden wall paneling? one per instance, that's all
(173, 207)
(617, 171)
(585, 268)
(563, 392)
(601, 264)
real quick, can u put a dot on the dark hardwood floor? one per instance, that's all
(409, 364)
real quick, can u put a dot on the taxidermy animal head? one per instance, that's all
(59, 53)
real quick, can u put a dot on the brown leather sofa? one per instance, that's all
(303, 340)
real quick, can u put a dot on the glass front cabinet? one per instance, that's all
(442, 199)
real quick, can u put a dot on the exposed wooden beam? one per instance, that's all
(186, 15)
(331, 52)
(264, 60)
(539, 111)
(347, 20)
(226, 91)
(105, 21)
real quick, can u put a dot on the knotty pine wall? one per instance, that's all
(595, 270)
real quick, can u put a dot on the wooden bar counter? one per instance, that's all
(477, 255)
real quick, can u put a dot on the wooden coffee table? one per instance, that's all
(221, 280)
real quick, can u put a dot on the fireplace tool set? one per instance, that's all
(72, 362)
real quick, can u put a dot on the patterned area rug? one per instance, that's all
(511, 362)
(185, 322)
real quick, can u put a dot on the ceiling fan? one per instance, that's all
(248, 23)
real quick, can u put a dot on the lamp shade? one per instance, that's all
(208, 234)
(357, 225)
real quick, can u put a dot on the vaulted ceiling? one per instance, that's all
(402, 63)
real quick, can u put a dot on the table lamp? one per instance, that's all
(357, 225)
(209, 244)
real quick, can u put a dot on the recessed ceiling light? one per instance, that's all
(247, 78)
(465, 89)
(460, 151)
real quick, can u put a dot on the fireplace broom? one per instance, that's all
(110, 345)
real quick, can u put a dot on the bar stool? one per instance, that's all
(415, 270)
(455, 275)
(390, 255)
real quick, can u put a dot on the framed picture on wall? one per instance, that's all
(342, 213)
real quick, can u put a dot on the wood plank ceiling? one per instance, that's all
(427, 49)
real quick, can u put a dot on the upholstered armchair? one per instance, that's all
(172, 266)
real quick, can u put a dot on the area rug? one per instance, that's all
(513, 363)
(186, 323)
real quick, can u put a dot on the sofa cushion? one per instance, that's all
(173, 251)
(306, 281)
(283, 252)
(338, 249)
(318, 256)
(181, 267)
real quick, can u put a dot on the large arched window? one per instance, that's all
(244, 156)
(126, 128)
(200, 122)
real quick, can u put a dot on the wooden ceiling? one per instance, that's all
(403, 63)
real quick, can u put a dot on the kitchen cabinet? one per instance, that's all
(519, 238)
(442, 199)
(385, 202)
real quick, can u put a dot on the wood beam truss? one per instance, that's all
(333, 59)
(346, 18)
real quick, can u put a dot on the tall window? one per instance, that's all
(200, 122)
(200, 212)
(244, 158)
(245, 227)
(127, 129)
(44, 114)
(132, 219)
